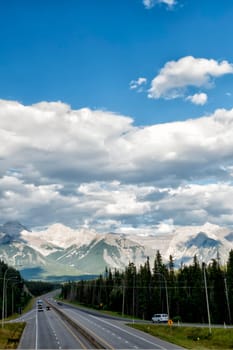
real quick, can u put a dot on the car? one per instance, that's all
(40, 307)
(47, 307)
(160, 318)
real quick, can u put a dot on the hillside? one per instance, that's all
(60, 252)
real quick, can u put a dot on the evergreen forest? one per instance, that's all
(198, 293)
(15, 292)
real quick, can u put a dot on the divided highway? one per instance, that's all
(72, 328)
(47, 330)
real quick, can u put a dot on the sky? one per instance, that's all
(116, 115)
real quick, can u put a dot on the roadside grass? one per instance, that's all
(27, 308)
(29, 305)
(196, 338)
(10, 335)
(103, 311)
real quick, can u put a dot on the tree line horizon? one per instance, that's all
(15, 292)
(143, 291)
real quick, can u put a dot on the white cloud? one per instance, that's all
(197, 204)
(117, 199)
(14, 192)
(198, 99)
(166, 226)
(169, 3)
(176, 76)
(137, 84)
(84, 166)
(60, 144)
(151, 3)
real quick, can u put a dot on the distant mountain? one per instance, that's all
(203, 241)
(12, 228)
(60, 252)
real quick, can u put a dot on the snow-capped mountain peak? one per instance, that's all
(62, 250)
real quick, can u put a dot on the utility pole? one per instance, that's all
(4, 295)
(227, 298)
(123, 299)
(165, 282)
(207, 299)
(133, 294)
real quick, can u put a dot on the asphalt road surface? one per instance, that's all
(47, 330)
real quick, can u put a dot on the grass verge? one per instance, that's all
(27, 308)
(10, 335)
(197, 338)
(103, 311)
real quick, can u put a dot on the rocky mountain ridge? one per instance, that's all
(60, 252)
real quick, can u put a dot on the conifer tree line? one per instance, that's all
(15, 296)
(18, 291)
(160, 288)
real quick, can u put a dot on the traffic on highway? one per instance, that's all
(55, 325)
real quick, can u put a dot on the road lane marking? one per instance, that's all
(36, 345)
(89, 330)
(33, 325)
(73, 334)
(127, 332)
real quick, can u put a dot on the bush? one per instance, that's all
(176, 319)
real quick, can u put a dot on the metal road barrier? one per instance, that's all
(93, 339)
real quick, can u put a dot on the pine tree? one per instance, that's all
(229, 281)
(217, 293)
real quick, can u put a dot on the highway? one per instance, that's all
(115, 334)
(47, 330)
(50, 329)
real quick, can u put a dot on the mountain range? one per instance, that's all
(60, 252)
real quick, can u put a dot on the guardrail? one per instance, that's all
(97, 343)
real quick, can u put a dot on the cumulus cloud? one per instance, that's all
(93, 167)
(198, 99)
(137, 84)
(174, 78)
(197, 204)
(37, 137)
(117, 199)
(151, 3)
(14, 192)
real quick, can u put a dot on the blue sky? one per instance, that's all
(85, 53)
(116, 114)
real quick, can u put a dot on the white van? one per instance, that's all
(160, 318)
